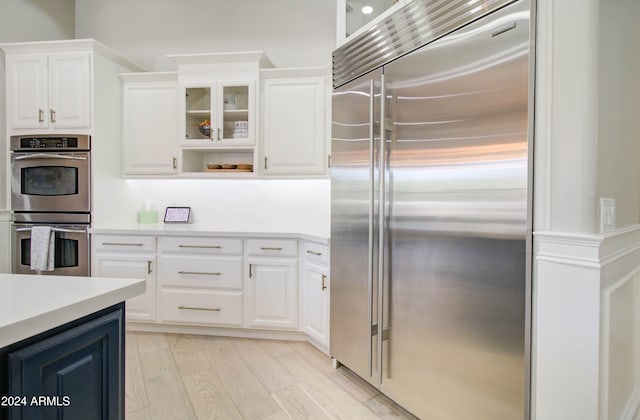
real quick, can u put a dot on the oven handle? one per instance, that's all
(48, 156)
(28, 229)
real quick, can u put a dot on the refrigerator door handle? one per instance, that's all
(371, 224)
(381, 222)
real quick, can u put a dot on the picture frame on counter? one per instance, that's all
(177, 215)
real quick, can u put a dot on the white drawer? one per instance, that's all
(200, 245)
(273, 247)
(128, 243)
(200, 307)
(315, 252)
(201, 271)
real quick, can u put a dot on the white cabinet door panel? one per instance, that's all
(150, 128)
(272, 293)
(70, 90)
(201, 271)
(139, 308)
(316, 310)
(200, 307)
(27, 100)
(294, 124)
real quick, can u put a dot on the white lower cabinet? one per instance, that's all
(314, 284)
(201, 282)
(128, 257)
(316, 299)
(204, 307)
(272, 284)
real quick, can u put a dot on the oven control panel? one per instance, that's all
(25, 143)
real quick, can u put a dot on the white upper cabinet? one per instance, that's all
(294, 121)
(150, 123)
(49, 91)
(218, 112)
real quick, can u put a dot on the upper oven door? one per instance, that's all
(50, 182)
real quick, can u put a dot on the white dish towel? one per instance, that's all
(42, 248)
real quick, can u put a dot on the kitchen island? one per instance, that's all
(62, 346)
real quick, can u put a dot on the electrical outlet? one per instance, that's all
(607, 215)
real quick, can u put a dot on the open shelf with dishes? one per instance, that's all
(219, 161)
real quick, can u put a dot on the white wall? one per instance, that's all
(281, 205)
(619, 108)
(36, 20)
(292, 32)
(29, 20)
(586, 303)
(25, 20)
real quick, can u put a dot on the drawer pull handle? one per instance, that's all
(194, 308)
(149, 267)
(271, 248)
(120, 244)
(324, 279)
(314, 252)
(201, 273)
(250, 270)
(201, 246)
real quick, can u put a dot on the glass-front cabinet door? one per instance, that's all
(219, 114)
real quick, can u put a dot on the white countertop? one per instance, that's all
(197, 229)
(31, 304)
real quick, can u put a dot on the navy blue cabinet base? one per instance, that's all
(75, 371)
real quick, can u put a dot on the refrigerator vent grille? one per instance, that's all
(416, 24)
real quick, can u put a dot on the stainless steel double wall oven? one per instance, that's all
(51, 186)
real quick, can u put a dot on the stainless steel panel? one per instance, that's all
(457, 223)
(52, 218)
(353, 223)
(414, 25)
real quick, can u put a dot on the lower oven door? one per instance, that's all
(71, 250)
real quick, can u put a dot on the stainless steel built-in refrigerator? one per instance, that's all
(430, 237)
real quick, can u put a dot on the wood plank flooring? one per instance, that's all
(184, 377)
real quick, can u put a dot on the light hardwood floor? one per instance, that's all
(184, 377)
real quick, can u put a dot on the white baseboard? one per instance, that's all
(225, 332)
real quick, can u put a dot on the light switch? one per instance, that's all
(607, 215)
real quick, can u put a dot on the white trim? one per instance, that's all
(543, 109)
(70, 45)
(216, 331)
(605, 336)
(632, 412)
